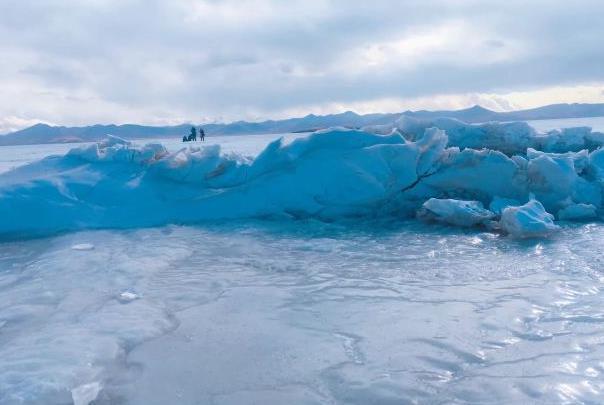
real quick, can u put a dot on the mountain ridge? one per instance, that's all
(43, 133)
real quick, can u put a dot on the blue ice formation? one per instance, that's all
(444, 171)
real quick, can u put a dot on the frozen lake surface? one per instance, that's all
(299, 312)
(303, 313)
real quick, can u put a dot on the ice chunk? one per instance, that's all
(596, 163)
(570, 140)
(383, 129)
(578, 212)
(455, 212)
(552, 178)
(431, 145)
(509, 137)
(113, 140)
(83, 246)
(558, 179)
(565, 140)
(114, 149)
(127, 296)
(594, 140)
(527, 221)
(86, 393)
(470, 174)
(580, 159)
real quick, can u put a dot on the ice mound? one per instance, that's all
(507, 137)
(119, 185)
(455, 212)
(527, 221)
(518, 220)
(328, 175)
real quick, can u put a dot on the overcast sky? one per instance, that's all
(156, 62)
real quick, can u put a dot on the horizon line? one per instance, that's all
(42, 123)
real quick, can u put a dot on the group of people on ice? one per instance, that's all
(193, 135)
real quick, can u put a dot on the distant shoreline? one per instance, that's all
(45, 134)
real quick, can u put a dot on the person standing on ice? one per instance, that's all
(202, 134)
(193, 136)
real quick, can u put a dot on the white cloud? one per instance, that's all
(163, 61)
(11, 124)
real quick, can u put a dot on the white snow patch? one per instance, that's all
(83, 246)
(127, 296)
(86, 393)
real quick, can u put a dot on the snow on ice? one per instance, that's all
(86, 393)
(442, 170)
(127, 296)
(455, 212)
(83, 246)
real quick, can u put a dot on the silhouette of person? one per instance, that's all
(202, 134)
(193, 136)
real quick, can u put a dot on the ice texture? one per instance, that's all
(83, 246)
(498, 204)
(86, 393)
(302, 312)
(455, 212)
(578, 212)
(527, 221)
(507, 137)
(329, 175)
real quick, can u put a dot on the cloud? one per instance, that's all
(11, 124)
(161, 61)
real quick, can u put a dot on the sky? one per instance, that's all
(155, 62)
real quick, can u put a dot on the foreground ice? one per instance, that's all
(328, 175)
(528, 220)
(455, 212)
(302, 312)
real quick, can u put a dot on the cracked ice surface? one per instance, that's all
(307, 313)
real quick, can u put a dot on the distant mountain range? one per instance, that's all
(42, 133)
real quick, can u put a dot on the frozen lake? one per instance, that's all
(304, 312)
